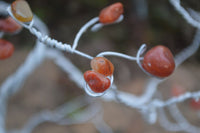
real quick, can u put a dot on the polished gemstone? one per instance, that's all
(22, 11)
(111, 13)
(159, 61)
(96, 81)
(102, 66)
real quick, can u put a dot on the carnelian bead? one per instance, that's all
(159, 61)
(195, 104)
(111, 13)
(102, 66)
(6, 49)
(96, 81)
(9, 25)
(22, 11)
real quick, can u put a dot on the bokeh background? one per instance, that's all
(48, 87)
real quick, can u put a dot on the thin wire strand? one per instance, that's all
(98, 26)
(165, 123)
(15, 81)
(82, 30)
(184, 13)
(110, 53)
(181, 120)
(45, 39)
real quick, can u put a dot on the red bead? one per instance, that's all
(102, 66)
(195, 104)
(111, 13)
(6, 49)
(159, 61)
(9, 25)
(97, 82)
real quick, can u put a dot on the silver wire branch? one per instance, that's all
(181, 120)
(194, 14)
(110, 53)
(139, 53)
(100, 124)
(184, 13)
(98, 26)
(160, 104)
(188, 51)
(15, 81)
(66, 47)
(45, 39)
(130, 99)
(3, 7)
(82, 30)
(61, 114)
(165, 123)
(180, 124)
(54, 43)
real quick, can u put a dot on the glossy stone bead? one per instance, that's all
(22, 11)
(97, 82)
(102, 66)
(111, 13)
(9, 25)
(6, 49)
(159, 61)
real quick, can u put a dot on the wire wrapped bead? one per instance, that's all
(111, 13)
(22, 11)
(159, 61)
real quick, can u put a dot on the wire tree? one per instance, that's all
(98, 81)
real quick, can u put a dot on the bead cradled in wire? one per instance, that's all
(102, 66)
(22, 11)
(159, 61)
(111, 13)
(100, 78)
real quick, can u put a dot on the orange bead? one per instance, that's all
(159, 61)
(22, 11)
(111, 13)
(6, 49)
(102, 66)
(97, 82)
(9, 25)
